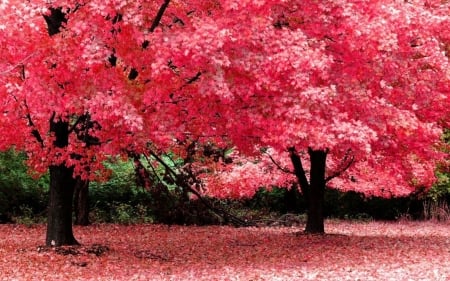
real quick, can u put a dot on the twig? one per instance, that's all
(34, 131)
(159, 15)
(20, 63)
(283, 169)
(180, 181)
(345, 164)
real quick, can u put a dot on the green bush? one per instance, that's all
(114, 200)
(441, 190)
(133, 207)
(278, 199)
(20, 194)
(120, 204)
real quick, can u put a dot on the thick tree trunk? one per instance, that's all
(62, 185)
(315, 218)
(313, 190)
(81, 202)
(59, 223)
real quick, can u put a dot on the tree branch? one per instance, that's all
(299, 171)
(180, 181)
(19, 64)
(345, 164)
(34, 131)
(159, 15)
(283, 169)
(153, 168)
(80, 119)
(52, 118)
(194, 78)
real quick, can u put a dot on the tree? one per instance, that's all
(105, 62)
(345, 94)
(62, 65)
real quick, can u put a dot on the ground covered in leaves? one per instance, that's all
(350, 251)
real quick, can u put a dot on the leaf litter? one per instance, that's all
(349, 251)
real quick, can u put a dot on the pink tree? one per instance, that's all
(83, 81)
(352, 95)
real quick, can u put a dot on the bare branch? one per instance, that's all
(34, 131)
(194, 78)
(19, 64)
(153, 169)
(299, 171)
(181, 182)
(344, 165)
(283, 169)
(159, 15)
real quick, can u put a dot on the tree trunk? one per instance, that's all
(62, 185)
(313, 190)
(315, 218)
(81, 202)
(59, 223)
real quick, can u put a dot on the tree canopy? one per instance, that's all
(366, 82)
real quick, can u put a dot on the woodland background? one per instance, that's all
(24, 199)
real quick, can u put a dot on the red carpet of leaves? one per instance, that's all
(350, 251)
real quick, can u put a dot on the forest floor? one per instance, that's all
(349, 251)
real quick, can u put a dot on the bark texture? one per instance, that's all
(81, 202)
(59, 221)
(313, 190)
(62, 185)
(315, 219)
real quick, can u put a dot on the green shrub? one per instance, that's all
(28, 217)
(119, 204)
(281, 200)
(441, 190)
(20, 194)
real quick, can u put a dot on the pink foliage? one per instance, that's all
(366, 77)
(247, 175)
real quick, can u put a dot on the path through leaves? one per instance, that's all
(350, 251)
